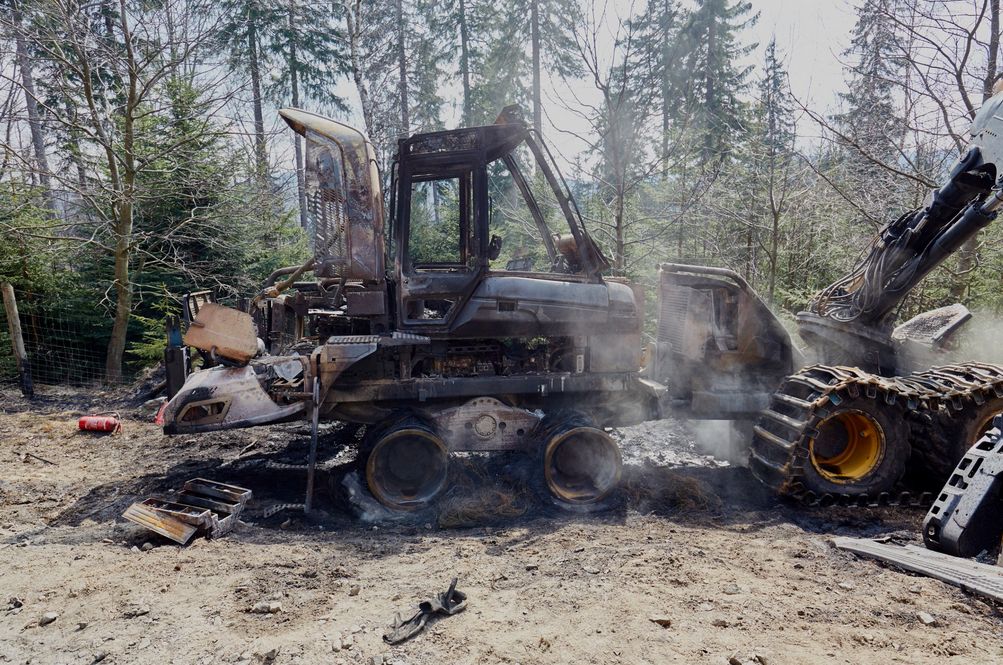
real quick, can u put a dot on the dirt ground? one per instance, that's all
(695, 564)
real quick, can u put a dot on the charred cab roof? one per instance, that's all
(495, 140)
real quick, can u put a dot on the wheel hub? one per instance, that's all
(849, 446)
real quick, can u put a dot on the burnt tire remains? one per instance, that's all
(406, 464)
(579, 465)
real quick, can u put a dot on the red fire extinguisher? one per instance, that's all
(100, 423)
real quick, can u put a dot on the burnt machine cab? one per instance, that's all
(484, 241)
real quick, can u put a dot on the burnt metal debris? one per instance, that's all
(205, 507)
(448, 603)
(439, 328)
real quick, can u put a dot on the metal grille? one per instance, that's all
(674, 305)
(327, 217)
(327, 209)
(933, 326)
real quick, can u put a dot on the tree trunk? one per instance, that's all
(665, 68)
(294, 84)
(76, 152)
(465, 64)
(774, 248)
(402, 67)
(260, 152)
(123, 285)
(534, 17)
(354, 23)
(748, 250)
(620, 261)
(967, 253)
(123, 215)
(710, 92)
(31, 104)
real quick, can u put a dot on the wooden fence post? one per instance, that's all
(17, 341)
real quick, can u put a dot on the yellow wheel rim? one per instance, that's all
(848, 447)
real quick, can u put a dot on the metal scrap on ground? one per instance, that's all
(978, 578)
(448, 603)
(205, 506)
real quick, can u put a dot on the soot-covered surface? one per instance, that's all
(691, 541)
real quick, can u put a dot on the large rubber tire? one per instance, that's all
(858, 447)
(959, 432)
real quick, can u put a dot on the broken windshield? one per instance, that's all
(525, 215)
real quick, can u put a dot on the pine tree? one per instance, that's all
(871, 122)
(311, 51)
(715, 79)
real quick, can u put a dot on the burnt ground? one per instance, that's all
(692, 542)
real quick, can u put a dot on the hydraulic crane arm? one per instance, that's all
(907, 249)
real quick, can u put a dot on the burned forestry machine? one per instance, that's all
(477, 318)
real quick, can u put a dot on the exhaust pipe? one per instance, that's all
(581, 464)
(408, 467)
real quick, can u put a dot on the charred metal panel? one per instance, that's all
(366, 303)
(615, 353)
(720, 349)
(224, 331)
(933, 328)
(422, 390)
(224, 398)
(485, 424)
(344, 197)
(526, 307)
(493, 140)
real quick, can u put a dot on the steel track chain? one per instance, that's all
(780, 455)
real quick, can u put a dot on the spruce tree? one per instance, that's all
(248, 25)
(871, 122)
(311, 50)
(522, 40)
(715, 80)
(660, 43)
(770, 156)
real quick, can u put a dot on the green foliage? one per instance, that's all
(694, 154)
(711, 75)
(147, 348)
(307, 52)
(435, 222)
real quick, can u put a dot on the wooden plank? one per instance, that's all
(159, 522)
(968, 575)
(17, 340)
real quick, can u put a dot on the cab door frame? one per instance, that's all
(452, 283)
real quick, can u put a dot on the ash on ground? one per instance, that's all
(670, 443)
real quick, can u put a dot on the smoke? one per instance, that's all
(725, 440)
(979, 340)
(364, 504)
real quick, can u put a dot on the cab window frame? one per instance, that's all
(429, 171)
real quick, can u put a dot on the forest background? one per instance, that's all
(141, 156)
